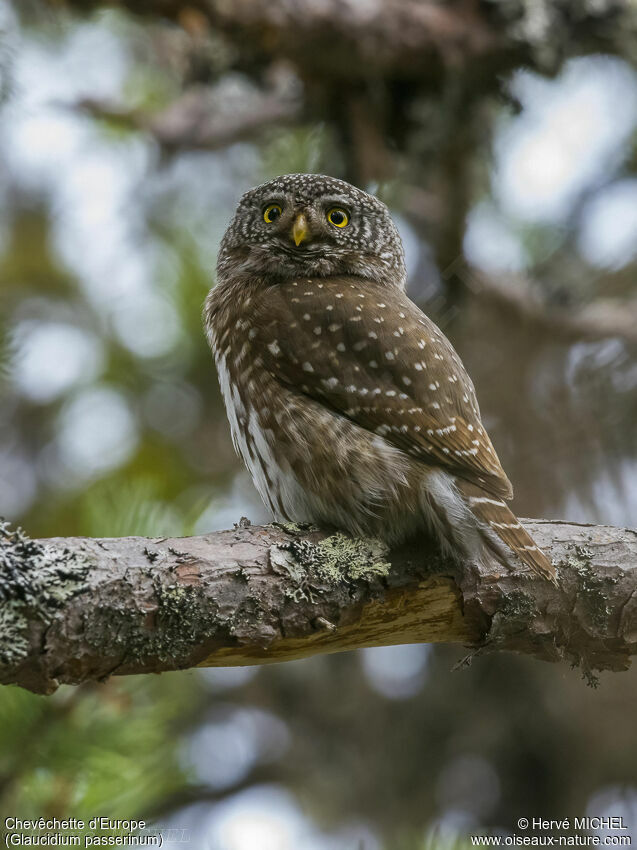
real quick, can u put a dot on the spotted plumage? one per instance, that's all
(348, 405)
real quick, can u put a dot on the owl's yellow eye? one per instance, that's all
(338, 217)
(271, 213)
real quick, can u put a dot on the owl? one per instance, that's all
(348, 405)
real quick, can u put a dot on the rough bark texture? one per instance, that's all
(77, 609)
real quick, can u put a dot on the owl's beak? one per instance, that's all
(300, 229)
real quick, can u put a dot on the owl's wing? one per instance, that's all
(371, 355)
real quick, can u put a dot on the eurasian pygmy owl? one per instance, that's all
(348, 405)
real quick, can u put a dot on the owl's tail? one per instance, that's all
(496, 514)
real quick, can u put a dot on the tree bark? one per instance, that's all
(79, 609)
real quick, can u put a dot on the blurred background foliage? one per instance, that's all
(504, 138)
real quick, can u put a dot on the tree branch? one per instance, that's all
(79, 609)
(521, 299)
(195, 121)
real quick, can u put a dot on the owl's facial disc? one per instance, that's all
(303, 234)
(313, 226)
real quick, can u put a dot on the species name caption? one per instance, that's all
(76, 832)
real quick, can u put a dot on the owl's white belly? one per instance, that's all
(277, 485)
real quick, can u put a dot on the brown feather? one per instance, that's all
(373, 356)
(497, 515)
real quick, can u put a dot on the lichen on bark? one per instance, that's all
(334, 560)
(36, 579)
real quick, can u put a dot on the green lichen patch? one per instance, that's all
(338, 559)
(35, 579)
(514, 615)
(592, 590)
(518, 605)
(296, 527)
(182, 618)
(13, 643)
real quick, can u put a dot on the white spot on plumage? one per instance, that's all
(273, 348)
(486, 500)
(307, 367)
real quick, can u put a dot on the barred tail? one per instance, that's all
(495, 513)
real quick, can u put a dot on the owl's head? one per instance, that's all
(314, 226)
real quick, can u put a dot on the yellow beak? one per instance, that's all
(300, 229)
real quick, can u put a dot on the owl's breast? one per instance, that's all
(307, 462)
